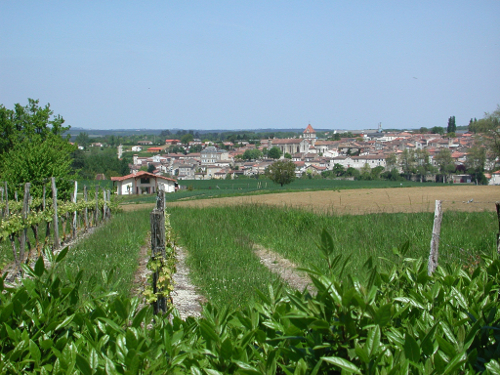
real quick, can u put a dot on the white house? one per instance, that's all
(495, 178)
(136, 148)
(143, 183)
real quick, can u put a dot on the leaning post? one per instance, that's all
(436, 230)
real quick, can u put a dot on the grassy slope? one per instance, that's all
(220, 242)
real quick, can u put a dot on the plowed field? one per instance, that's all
(360, 201)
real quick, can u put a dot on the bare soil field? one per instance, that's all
(361, 201)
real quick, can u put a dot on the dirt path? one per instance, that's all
(284, 268)
(185, 296)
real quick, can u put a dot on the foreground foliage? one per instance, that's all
(401, 321)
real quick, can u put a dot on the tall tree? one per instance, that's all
(281, 172)
(83, 139)
(423, 164)
(488, 133)
(475, 163)
(274, 153)
(32, 147)
(452, 126)
(407, 161)
(445, 163)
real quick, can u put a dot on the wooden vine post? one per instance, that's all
(104, 206)
(436, 230)
(24, 215)
(497, 204)
(74, 226)
(55, 221)
(86, 211)
(96, 212)
(158, 254)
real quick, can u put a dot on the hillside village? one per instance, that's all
(312, 156)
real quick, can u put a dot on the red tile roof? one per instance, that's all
(140, 174)
(309, 129)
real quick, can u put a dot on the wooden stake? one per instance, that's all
(7, 213)
(158, 253)
(55, 221)
(436, 230)
(86, 212)
(25, 211)
(104, 206)
(96, 213)
(109, 201)
(497, 204)
(74, 213)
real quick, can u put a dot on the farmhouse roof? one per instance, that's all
(141, 174)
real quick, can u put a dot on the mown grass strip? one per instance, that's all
(111, 249)
(219, 241)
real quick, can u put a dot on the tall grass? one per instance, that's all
(220, 239)
(111, 250)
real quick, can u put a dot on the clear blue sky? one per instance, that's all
(252, 64)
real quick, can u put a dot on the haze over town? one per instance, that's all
(254, 65)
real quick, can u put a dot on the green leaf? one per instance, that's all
(343, 364)
(65, 322)
(427, 345)
(446, 347)
(383, 315)
(455, 363)
(35, 352)
(39, 266)
(493, 366)
(208, 332)
(373, 341)
(62, 254)
(247, 368)
(83, 365)
(139, 317)
(411, 349)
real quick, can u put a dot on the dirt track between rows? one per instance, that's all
(361, 201)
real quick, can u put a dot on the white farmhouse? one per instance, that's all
(143, 183)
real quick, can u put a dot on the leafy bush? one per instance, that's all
(401, 321)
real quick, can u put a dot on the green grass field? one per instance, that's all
(224, 188)
(220, 240)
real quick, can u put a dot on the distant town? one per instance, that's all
(438, 155)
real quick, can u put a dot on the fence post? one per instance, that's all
(109, 201)
(7, 213)
(497, 204)
(24, 215)
(436, 230)
(86, 212)
(75, 213)
(158, 255)
(104, 206)
(96, 213)
(56, 218)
